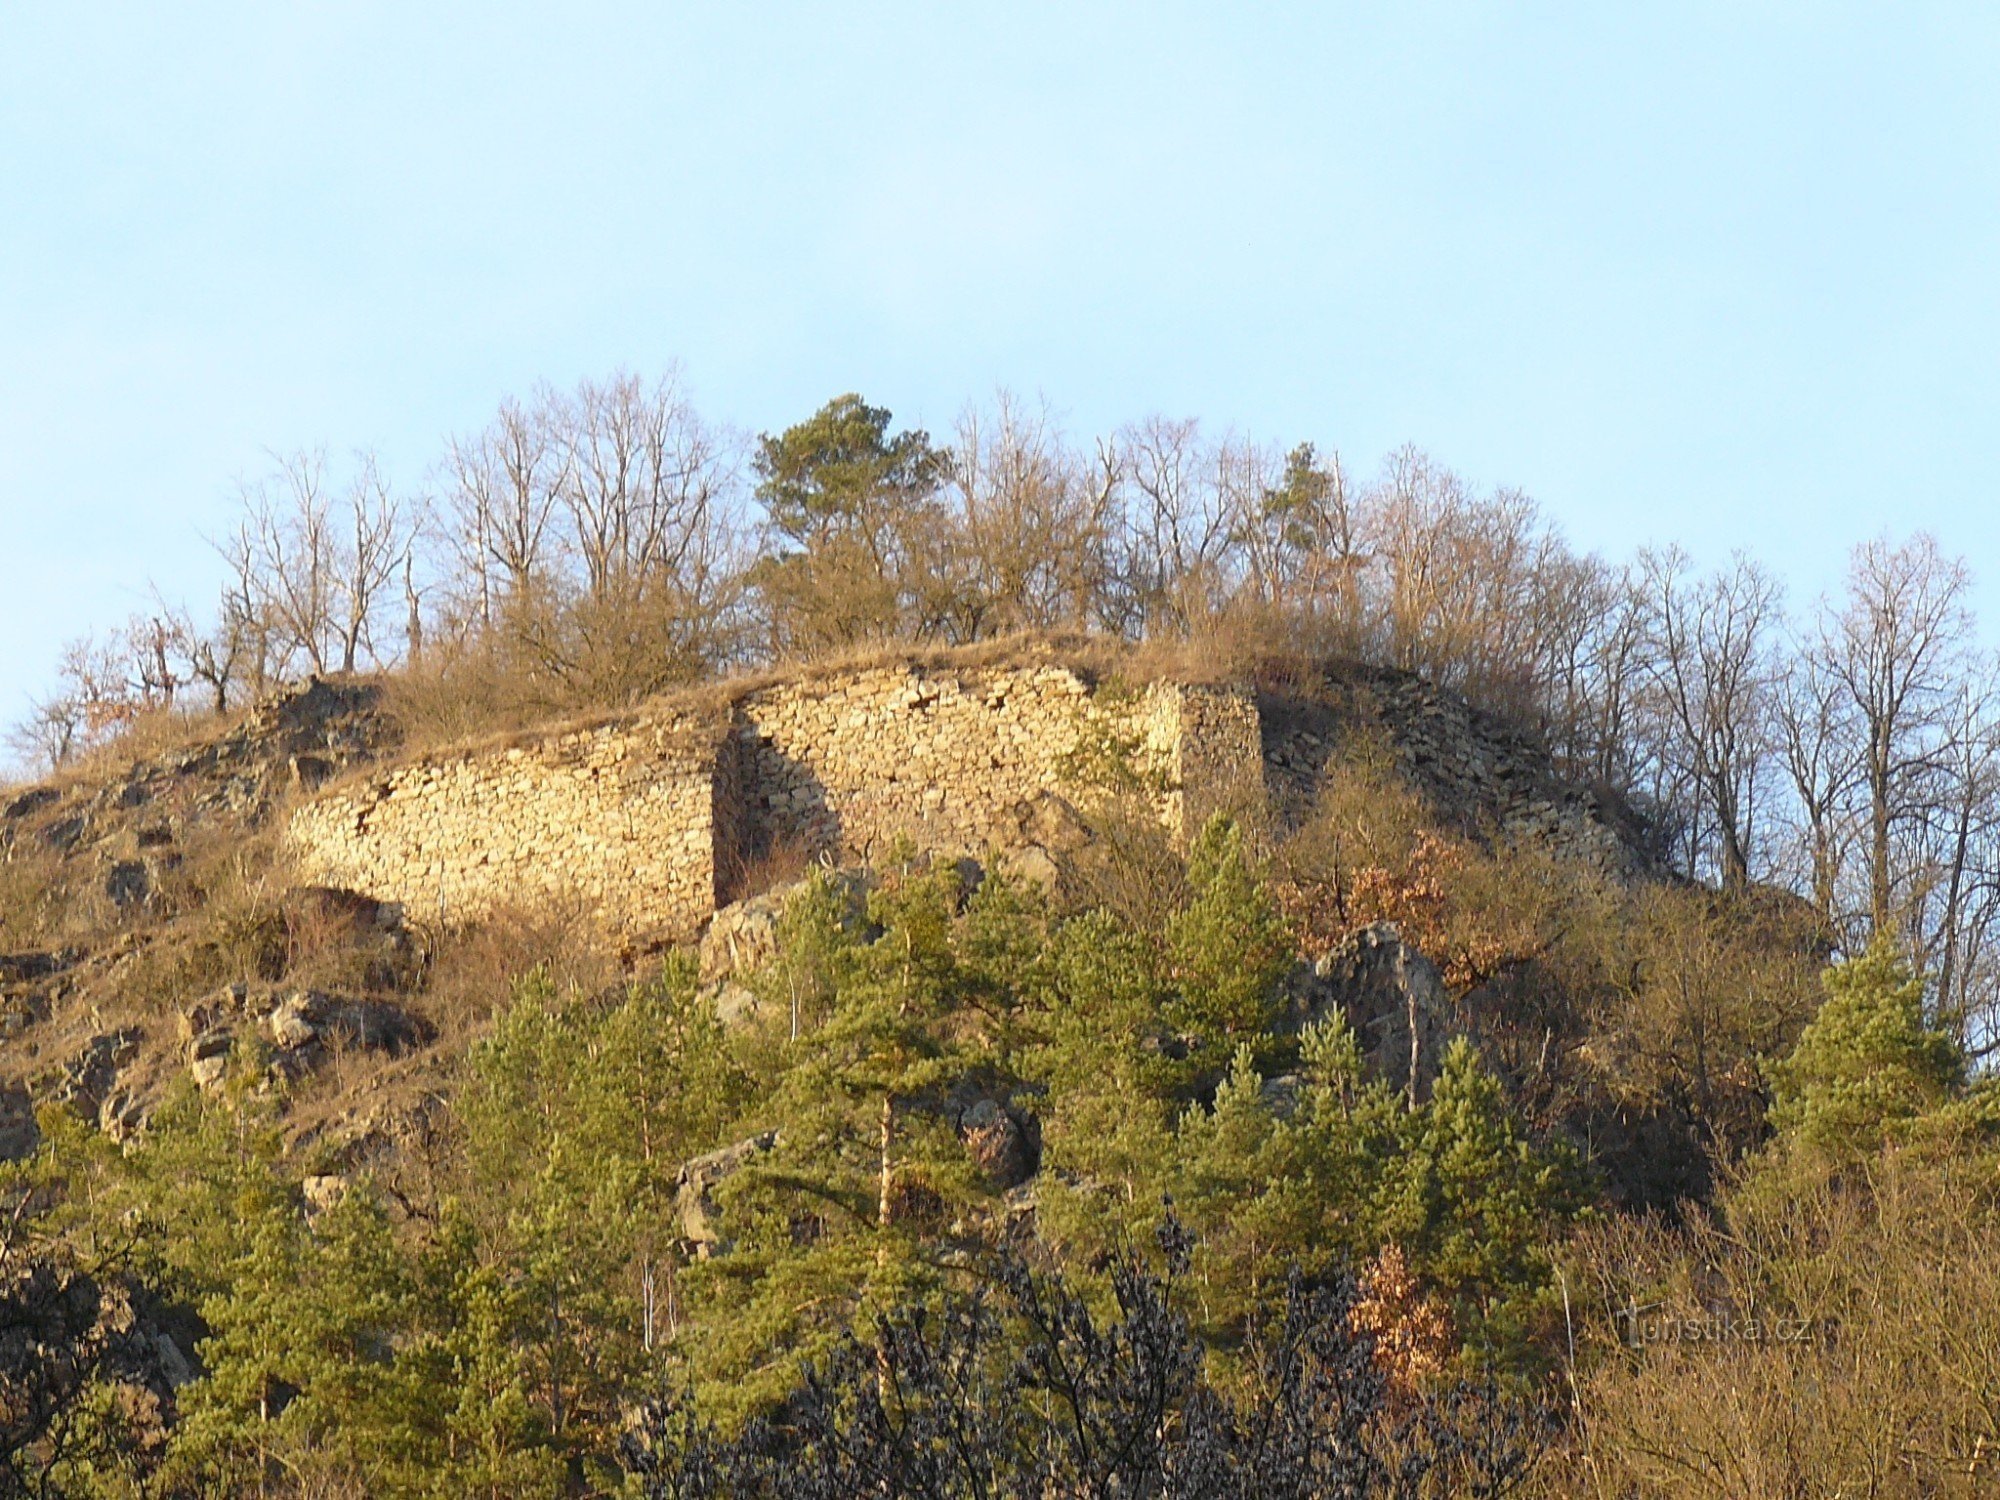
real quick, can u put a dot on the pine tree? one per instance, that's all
(1867, 1065)
(1475, 1204)
(867, 1175)
(1228, 949)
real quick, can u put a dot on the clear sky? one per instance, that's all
(1721, 273)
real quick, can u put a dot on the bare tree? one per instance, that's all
(1176, 532)
(1711, 677)
(308, 572)
(377, 544)
(505, 483)
(52, 735)
(1817, 748)
(1897, 648)
(1966, 820)
(644, 491)
(1033, 530)
(97, 697)
(283, 549)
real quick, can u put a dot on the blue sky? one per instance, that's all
(1724, 274)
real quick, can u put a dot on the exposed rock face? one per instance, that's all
(89, 1077)
(208, 1058)
(309, 1018)
(303, 1027)
(115, 844)
(28, 984)
(129, 884)
(1003, 1141)
(323, 1191)
(1472, 767)
(19, 1134)
(240, 774)
(694, 1201)
(1395, 1000)
(28, 803)
(24, 968)
(743, 936)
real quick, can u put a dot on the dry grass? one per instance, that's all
(1873, 1367)
(31, 896)
(473, 970)
(467, 708)
(1247, 643)
(744, 875)
(146, 737)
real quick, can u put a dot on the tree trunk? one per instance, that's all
(887, 1178)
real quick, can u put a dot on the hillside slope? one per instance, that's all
(154, 909)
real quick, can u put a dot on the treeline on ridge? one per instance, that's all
(591, 547)
(981, 1187)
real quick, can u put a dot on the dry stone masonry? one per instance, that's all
(656, 819)
(620, 816)
(1471, 766)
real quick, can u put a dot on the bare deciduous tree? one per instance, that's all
(309, 572)
(1711, 674)
(1175, 531)
(1816, 745)
(1033, 529)
(1896, 648)
(505, 482)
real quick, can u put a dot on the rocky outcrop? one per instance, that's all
(29, 984)
(300, 1030)
(1005, 1142)
(88, 1078)
(1395, 1000)
(1475, 769)
(131, 820)
(695, 1208)
(743, 936)
(19, 1134)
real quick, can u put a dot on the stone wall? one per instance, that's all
(656, 819)
(1211, 741)
(847, 764)
(619, 816)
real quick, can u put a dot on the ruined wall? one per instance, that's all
(1211, 743)
(961, 761)
(656, 820)
(659, 818)
(619, 816)
(847, 764)
(1474, 769)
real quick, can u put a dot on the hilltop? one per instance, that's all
(161, 901)
(1338, 925)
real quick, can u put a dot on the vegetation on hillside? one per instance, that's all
(986, 1188)
(593, 546)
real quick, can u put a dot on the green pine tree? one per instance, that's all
(1867, 1065)
(1228, 949)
